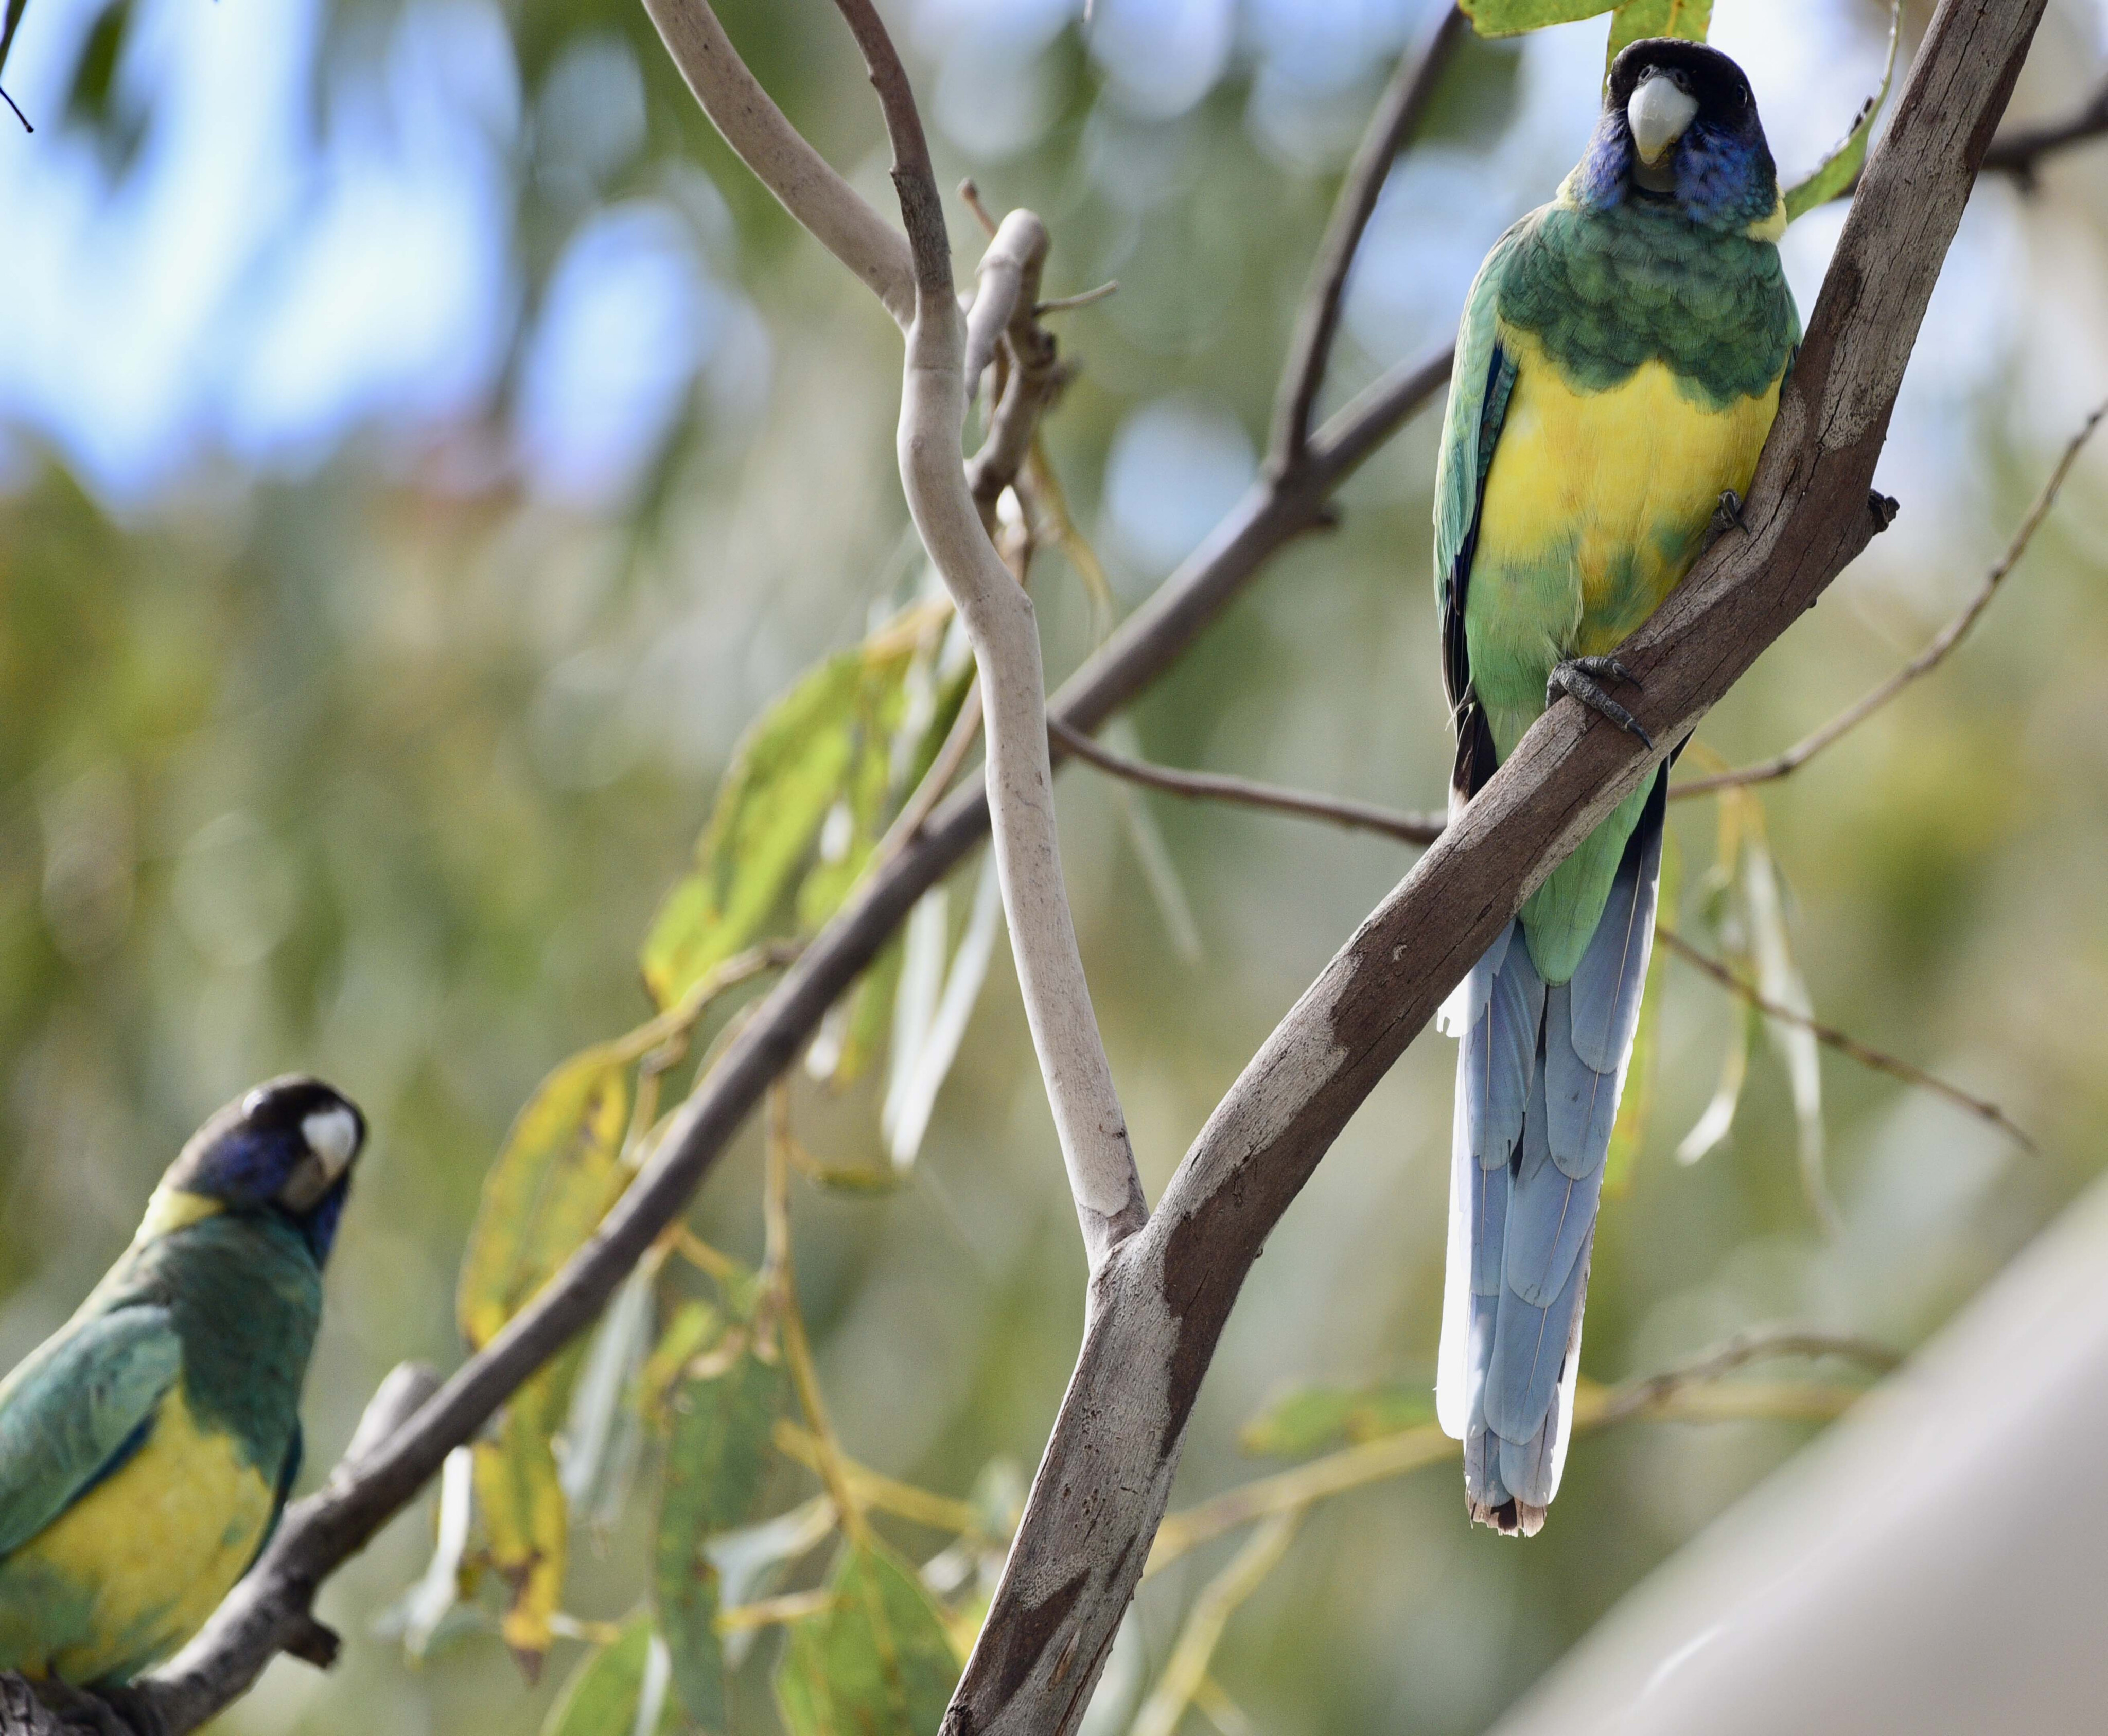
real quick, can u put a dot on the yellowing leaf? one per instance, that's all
(522, 1504)
(618, 1690)
(877, 1662)
(1321, 1417)
(553, 1181)
(1638, 19)
(1512, 17)
(717, 1452)
(1636, 1107)
(806, 797)
(1842, 168)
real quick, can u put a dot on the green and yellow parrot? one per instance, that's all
(146, 1447)
(1617, 371)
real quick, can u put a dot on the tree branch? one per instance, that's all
(1102, 1485)
(1209, 786)
(1929, 659)
(320, 1532)
(1403, 107)
(1665, 1396)
(1842, 1041)
(1004, 628)
(1424, 829)
(2018, 153)
(803, 180)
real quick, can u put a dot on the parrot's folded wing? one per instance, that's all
(76, 1410)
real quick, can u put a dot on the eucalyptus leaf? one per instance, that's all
(618, 1689)
(1320, 1418)
(1513, 17)
(1639, 18)
(1780, 981)
(524, 1514)
(1834, 176)
(717, 1452)
(878, 1660)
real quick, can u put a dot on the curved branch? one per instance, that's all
(1927, 660)
(1844, 1042)
(1004, 628)
(798, 175)
(1165, 1297)
(1399, 112)
(2019, 152)
(1210, 786)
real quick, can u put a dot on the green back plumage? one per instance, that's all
(228, 1306)
(1606, 290)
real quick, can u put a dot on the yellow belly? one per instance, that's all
(1595, 506)
(132, 1570)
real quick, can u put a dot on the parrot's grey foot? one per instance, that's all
(1885, 507)
(1581, 678)
(1726, 516)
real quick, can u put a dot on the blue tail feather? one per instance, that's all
(1539, 1072)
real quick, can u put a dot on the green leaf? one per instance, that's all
(786, 773)
(607, 1694)
(524, 1512)
(717, 1453)
(819, 773)
(558, 1172)
(1639, 18)
(1643, 1073)
(876, 1662)
(1780, 981)
(1317, 1418)
(694, 1325)
(1842, 168)
(1512, 17)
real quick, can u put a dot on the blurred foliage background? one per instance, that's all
(423, 449)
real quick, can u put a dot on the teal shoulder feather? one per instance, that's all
(69, 1415)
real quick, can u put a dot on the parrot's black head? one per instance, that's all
(286, 1147)
(1679, 123)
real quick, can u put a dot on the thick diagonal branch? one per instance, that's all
(1107, 1472)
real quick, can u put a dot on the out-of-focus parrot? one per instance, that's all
(146, 1447)
(1617, 371)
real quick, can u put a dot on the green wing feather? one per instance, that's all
(1480, 381)
(73, 1407)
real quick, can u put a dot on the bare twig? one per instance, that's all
(1187, 1667)
(1082, 298)
(1927, 660)
(1399, 114)
(1411, 829)
(1687, 1393)
(1842, 1041)
(2017, 153)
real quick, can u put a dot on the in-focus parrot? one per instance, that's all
(147, 1446)
(1617, 370)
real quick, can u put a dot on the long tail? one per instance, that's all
(1538, 1074)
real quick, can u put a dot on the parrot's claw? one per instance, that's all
(1726, 516)
(1885, 507)
(1578, 678)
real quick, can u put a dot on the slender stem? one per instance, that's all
(1865, 1054)
(2019, 152)
(1001, 622)
(1679, 1394)
(870, 1488)
(1187, 1666)
(1400, 110)
(1927, 660)
(1210, 786)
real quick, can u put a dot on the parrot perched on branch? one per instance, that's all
(147, 1446)
(1617, 371)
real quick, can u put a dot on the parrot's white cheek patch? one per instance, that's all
(332, 1135)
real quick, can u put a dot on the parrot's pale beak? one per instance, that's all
(1658, 114)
